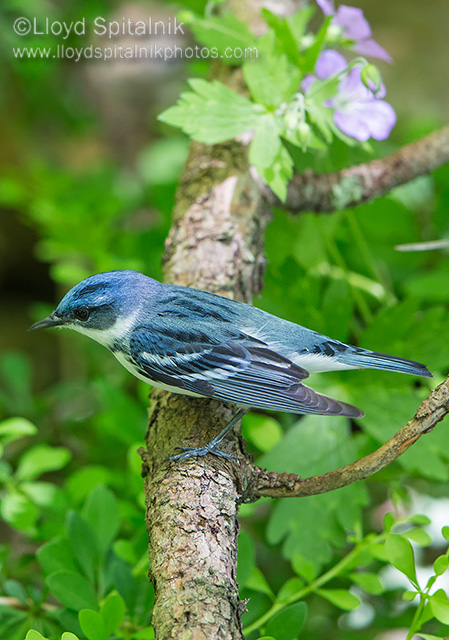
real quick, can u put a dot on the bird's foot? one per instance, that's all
(190, 452)
(212, 447)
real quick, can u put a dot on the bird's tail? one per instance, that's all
(372, 360)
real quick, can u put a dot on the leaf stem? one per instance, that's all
(313, 586)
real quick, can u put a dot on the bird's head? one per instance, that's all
(102, 307)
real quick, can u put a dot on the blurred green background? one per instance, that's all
(87, 184)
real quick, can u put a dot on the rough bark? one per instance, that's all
(216, 243)
(328, 192)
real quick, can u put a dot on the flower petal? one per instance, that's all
(370, 47)
(326, 6)
(354, 24)
(352, 125)
(367, 119)
(328, 63)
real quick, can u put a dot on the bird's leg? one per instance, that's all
(212, 447)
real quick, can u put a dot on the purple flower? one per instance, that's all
(358, 111)
(354, 27)
(328, 63)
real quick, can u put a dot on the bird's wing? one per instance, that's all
(231, 366)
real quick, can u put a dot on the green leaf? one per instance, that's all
(263, 431)
(314, 51)
(15, 590)
(370, 582)
(125, 583)
(289, 589)
(321, 117)
(377, 550)
(83, 543)
(222, 33)
(400, 554)
(18, 511)
(420, 520)
(445, 532)
(92, 624)
(34, 635)
(72, 589)
(258, 582)
(440, 565)
(303, 567)
(43, 494)
(246, 558)
(80, 483)
(288, 623)
(102, 513)
(431, 581)
(270, 157)
(298, 22)
(278, 175)
(440, 606)
(388, 522)
(53, 557)
(67, 635)
(265, 144)
(212, 113)
(340, 598)
(419, 536)
(408, 596)
(271, 79)
(15, 428)
(41, 459)
(125, 550)
(286, 36)
(144, 634)
(113, 613)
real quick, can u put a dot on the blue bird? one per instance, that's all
(200, 344)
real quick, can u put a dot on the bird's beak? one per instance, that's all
(51, 321)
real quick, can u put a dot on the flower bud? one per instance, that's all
(291, 120)
(371, 78)
(334, 33)
(304, 133)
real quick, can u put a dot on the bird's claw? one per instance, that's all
(189, 452)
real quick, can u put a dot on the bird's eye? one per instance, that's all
(82, 313)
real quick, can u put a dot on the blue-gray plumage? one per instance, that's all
(197, 343)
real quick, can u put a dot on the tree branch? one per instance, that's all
(327, 192)
(259, 482)
(215, 243)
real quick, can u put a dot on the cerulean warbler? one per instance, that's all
(201, 344)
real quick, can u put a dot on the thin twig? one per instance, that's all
(328, 192)
(260, 482)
